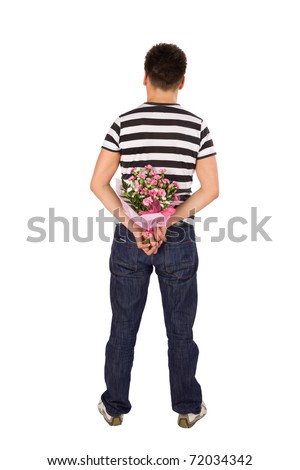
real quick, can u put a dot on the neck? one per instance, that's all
(157, 95)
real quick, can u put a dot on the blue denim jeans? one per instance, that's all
(176, 264)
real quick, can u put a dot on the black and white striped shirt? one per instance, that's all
(164, 136)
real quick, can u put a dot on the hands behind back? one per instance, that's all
(149, 243)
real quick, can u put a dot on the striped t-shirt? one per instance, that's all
(164, 136)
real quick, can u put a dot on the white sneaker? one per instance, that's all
(111, 420)
(188, 420)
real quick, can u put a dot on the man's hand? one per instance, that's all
(154, 240)
(145, 240)
(159, 234)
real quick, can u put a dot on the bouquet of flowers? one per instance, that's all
(148, 197)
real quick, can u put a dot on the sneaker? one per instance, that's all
(188, 420)
(111, 420)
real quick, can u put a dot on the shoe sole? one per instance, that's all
(183, 421)
(115, 421)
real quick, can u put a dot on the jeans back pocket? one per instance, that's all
(124, 252)
(181, 259)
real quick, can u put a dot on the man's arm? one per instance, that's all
(105, 168)
(207, 173)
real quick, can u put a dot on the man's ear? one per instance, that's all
(181, 83)
(145, 81)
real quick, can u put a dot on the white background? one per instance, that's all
(69, 68)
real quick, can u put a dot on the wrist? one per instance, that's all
(173, 220)
(133, 227)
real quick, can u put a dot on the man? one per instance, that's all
(160, 132)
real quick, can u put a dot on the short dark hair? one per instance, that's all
(165, 64)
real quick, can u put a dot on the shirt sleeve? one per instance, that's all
(112, 139)
(207, 148)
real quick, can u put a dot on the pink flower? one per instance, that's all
(137, 187)
(152, 192)
(141, 175)
(152, 182)
(152, 172)
(176, 184)
(162, 170)
(147, 201)
(148, 167)
(131, 178)
(133, 169)
(171, 185)
(161, 192)
(165, 180)
(157, 177)
(176, 197)
(144, 191)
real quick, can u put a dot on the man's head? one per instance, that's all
(165, 65)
